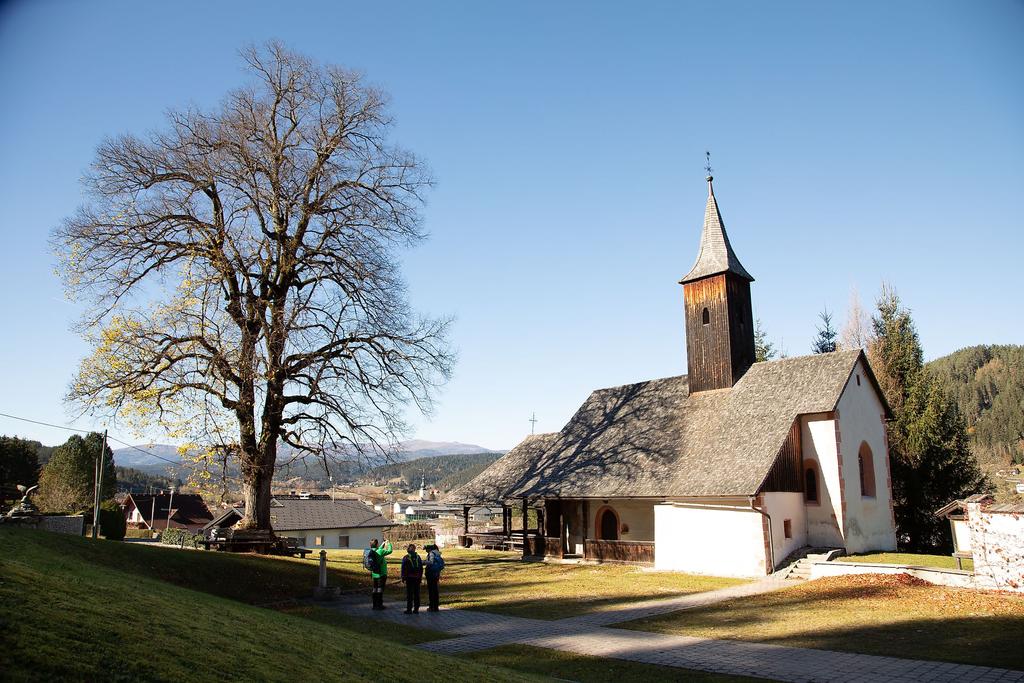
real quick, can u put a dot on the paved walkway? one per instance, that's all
(587, 634)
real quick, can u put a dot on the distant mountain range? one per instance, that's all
(154, 458)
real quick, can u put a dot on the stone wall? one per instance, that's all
(64, 524)
(997, 543)
(59, 524)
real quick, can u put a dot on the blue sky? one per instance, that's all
(852, 143)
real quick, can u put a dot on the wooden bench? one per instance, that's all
(290, 546)
(512, 544)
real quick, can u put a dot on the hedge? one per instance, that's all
(138, 533)
(112, 522)
(180, 537)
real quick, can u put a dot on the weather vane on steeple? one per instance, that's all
(707, 163)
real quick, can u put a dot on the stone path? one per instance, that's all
(587, 634)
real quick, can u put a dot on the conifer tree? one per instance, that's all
(825, 341)
(19, 464)
(66, 483)
(931, 460)
(764, 350)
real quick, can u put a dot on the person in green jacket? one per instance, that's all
(380, 573)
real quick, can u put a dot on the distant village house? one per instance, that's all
(316, 520)
(157, 511)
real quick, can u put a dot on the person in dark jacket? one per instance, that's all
(435, 563)
(412, 575)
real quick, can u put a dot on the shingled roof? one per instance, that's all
(716, 254)
(654, 439)
(496, 483)
(294, 514)
(188, 509)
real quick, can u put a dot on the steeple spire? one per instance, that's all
(719, 318)
(716, 254)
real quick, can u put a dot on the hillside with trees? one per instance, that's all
(987, 383)
(443, 471)
(136, 481)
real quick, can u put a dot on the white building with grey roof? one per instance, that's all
(317, 521)
(726, 470)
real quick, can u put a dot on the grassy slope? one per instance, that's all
(75, 609)
(502, 583)
(910, 559)
(882, 615)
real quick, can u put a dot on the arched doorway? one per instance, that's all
(607, 524)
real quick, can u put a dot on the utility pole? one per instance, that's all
(169, 510)
(99, 486)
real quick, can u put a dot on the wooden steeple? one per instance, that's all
(719, 320)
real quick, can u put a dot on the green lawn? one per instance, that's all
(501, 582)
(883, 615)
(912, 559)
(573, 667)
(74, 609)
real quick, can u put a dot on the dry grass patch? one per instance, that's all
(501, 582)
(898, 616)
(909, 559)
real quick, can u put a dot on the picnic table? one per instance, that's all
(237, 541)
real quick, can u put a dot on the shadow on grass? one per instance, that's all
(252, 579)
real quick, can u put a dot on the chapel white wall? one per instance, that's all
(719, 541)
(638, 515)
(869, 523)
(824, 518)
(782, 506)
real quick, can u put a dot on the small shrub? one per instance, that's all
(180, 537)
(112, 524)
(138, 533)
(408, 533)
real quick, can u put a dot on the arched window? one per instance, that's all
(705, 317)
(866, 462)
(811, 483)
(607, 524)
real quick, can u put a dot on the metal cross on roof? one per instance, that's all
(533, 422)
(707, 162)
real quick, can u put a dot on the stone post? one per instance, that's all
(322, 590)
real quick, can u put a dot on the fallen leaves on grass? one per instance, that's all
(926, 596)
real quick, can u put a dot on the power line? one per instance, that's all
(47, 424)
(90, 431)
(141, 450)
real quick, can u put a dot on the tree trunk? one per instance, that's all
(256, 494)
(256, 481)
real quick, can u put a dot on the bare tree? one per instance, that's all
(240, 273)
(856, 332)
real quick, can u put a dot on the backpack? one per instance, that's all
(371, 561)
(438, 562)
